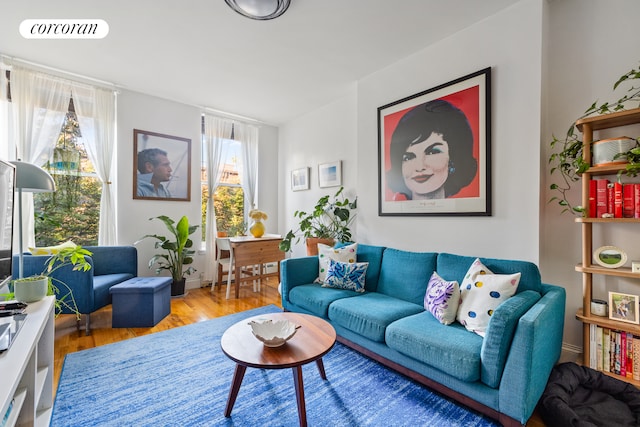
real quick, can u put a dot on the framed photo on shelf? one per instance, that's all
(610, 257)
(330, 174)
(161, 166)
(624, 307)
(300, 179)
(434, 150)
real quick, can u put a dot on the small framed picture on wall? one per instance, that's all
(300, 179)
(330, 174)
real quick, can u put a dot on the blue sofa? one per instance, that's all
(110, 265)
(502, 375)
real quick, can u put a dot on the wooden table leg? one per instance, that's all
(238, 273)
(238, 375)
(299, 385)
(321, 369)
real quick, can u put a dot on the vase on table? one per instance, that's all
(257, 229)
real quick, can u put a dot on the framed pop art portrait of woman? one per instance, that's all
(434, 150)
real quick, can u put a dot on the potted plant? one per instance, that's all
(36, 287)
(330, 219)
(569, 161)
(178, 252)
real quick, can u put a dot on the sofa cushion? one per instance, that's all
(481, 293)
(346, 275)
(451, 349)
(327, 253)
(316, 299)
(442, 299)
(497, 340)
(102, 284)
(372, 255)
(454, 267)
(370, 313)
(405, 274)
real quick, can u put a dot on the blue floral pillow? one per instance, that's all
(345, 275)
(442, 299)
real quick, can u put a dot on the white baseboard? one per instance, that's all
(570, 353)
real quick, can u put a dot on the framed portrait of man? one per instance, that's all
(161, 166)
(434, 150)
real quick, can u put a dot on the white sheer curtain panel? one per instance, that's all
(249, 144)
(216, 130)
(95, 110)
(6, 149)
(40, 103)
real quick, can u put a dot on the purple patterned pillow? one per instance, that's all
(442, 299)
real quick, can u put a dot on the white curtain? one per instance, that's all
(216, 130)
(40, 103)
(249, 144)
(95, 110)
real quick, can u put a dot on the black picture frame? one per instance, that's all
(449, 175)
(177, 152)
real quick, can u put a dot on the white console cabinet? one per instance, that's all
(26, 370)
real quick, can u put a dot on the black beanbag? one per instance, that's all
(578, 396)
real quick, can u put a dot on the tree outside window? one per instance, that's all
(228, 197)
(72, 212)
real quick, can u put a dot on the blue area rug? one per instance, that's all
(180, 377)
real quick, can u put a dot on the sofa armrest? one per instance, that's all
(535, 349)
(79, 282)
(297, 271)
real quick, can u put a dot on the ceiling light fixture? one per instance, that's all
(261, 10)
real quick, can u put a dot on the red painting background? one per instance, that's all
(468, 101)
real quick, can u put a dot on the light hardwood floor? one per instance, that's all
(196, 306)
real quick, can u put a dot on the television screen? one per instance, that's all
(7, 193)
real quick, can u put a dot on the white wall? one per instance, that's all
(324, 135)
(591, 44)
(509, 43)
(512, 231)
(140, 111)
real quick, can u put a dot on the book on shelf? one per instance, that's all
(636, 199)
(628, 201)
(613, 199)
(614, 351)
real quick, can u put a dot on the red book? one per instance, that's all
(636, 200)
(592, 199)
(628, 205)
(629, 355)
(610, 198)
(601, 197)
(617, 200)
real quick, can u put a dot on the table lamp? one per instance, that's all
(31, 179)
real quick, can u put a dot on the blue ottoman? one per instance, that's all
(140, 302)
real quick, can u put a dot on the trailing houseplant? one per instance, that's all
(331, 218)
(178, 252)
(569, 161)
(74, 256)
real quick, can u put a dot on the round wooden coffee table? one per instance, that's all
(312, 341)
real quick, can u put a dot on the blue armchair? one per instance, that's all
(110, 265)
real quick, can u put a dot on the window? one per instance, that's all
(72, 212)
(228, 197)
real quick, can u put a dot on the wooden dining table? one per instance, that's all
(250, 253)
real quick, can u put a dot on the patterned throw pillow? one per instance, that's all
(327, 253)
(345, 275)
(481, 293)
(442, 299)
